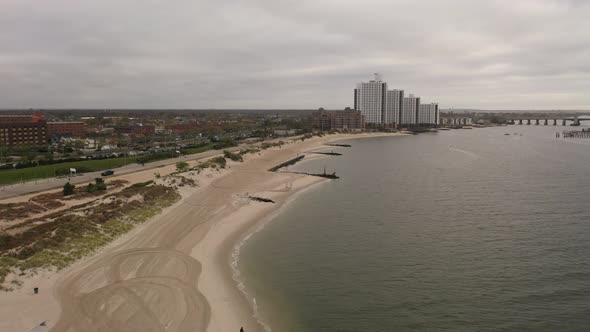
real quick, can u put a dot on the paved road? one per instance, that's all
(53, 183)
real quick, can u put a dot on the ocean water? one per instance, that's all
(465, 230)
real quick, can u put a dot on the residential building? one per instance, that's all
(369, 99)
(66, 129)
(135, 130)
(428, 114)
(393, 107)
(11, 118)
(409, 114)
(183, 128)
(18, 130)
(338, 120)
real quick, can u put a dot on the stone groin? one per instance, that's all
(287, 163)
(339, 145)
(329, 153)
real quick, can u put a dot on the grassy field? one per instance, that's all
(198, 150)
(48, 171)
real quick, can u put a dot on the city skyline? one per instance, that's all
(494, 55)
(391, 108)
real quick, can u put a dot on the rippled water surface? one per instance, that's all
(465, 230)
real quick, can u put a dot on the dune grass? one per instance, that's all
(67, 236)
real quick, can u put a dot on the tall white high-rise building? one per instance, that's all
(428, 114)
(369, 99)
(393, 106)
(410, 110)
(383, 107)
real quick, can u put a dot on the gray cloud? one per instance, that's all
(492, 54)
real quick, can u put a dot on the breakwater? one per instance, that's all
(321, 175)
(287, 163)
(339, 145)
(261, 199)
(329, 153)
(576, 134)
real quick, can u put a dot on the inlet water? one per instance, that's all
(465, 230)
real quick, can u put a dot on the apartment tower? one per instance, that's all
(409, 114)
(393, 107)
(428, 114)
(369, 99)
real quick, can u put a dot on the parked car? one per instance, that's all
(107, 172)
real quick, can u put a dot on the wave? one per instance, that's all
(469, 153)
(236, 276)
(235, 256)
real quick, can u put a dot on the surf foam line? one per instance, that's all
(469, 153)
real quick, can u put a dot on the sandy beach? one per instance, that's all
(172, 273)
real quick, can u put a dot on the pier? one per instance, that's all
(575, 121)
(576, 134)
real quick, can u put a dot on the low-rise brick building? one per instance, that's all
(338, 120)
(19, 130)
(70, 129)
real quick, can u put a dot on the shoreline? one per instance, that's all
(191, 242)
(256, 228)
(228, 255)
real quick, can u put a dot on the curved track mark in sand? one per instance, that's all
(149, 289)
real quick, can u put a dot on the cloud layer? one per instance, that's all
(493, 54)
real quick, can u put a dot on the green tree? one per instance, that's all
(49, 156)
(3, 153)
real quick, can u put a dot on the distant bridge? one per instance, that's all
(576, 121)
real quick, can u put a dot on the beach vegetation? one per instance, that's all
(181, 166)
(99, 185)
(306, 136)
(219, 161)
(141, 184)
(232, 156)
(249, 150)
(267, 145)
(68, 189)
(183, 181)
(48, 201)
(56, 240)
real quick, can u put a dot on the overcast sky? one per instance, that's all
(496, 54)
